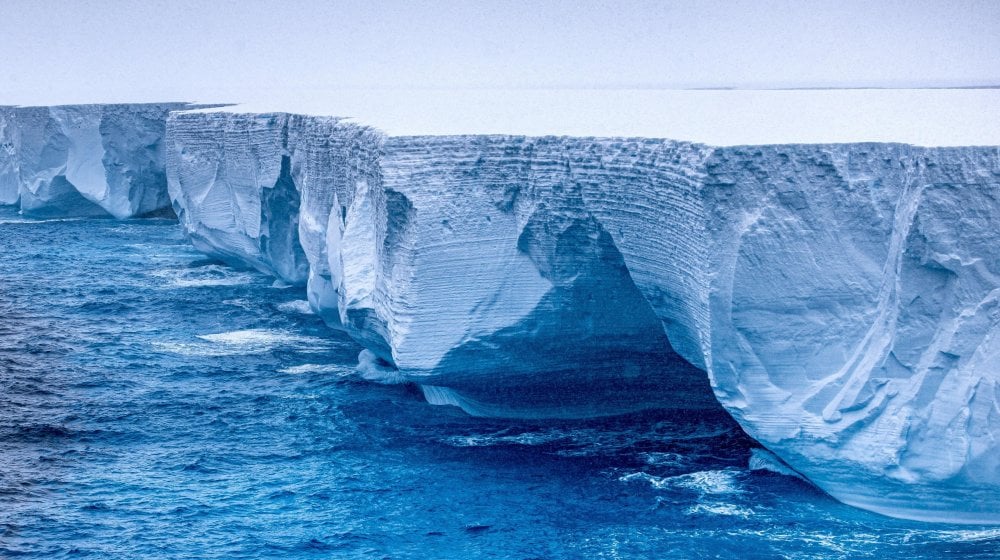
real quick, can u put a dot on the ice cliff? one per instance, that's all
(85, 160)
(843, 299)
(9, 179)
(840, 300)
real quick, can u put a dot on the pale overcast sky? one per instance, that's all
(104, 50)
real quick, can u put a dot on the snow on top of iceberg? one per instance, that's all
(926, 117)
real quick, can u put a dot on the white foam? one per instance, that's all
(663, 459)
(658, 482)
(204, 276)
(299, 306)
(720, 509)
(968, 536)
(502, 438)
(334, 369)
(709, 482)
(246, 341)
(263, 339)
(716, 482)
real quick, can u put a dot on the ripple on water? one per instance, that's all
(205, 276)
(196, 412)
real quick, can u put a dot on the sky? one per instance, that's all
(76, 51)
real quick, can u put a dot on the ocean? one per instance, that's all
(158, 404)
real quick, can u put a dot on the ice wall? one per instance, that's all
(260, 189)
(9, 179)
(854, 318)
(85, 160)
(842, 299)
(517, 276)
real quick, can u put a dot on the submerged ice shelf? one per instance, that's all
(842, 301)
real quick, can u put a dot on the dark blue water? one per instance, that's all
(155, 404)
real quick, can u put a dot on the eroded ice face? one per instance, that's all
(826, 290)
(85, 160)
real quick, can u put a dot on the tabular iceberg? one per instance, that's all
(842, 298)
(85, 160)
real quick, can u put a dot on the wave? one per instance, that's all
(263, 338)
(245, 342)
(720, 508)
(714, 482)
(242, 303)
(489, 440)
(299, 306)
(338, 370)
(205, 276)
(763, 460)
(14, 221)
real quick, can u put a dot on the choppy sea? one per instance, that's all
(158, 404)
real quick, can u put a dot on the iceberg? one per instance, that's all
(838, 297)
(824, 264)
(85, 160)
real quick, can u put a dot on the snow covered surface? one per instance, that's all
(926, 117)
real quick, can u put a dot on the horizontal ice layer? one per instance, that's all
(841, 298)
(85, 160)
(502, 283)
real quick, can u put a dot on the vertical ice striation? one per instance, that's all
(9, 137)
(262, 189)
(842, 299)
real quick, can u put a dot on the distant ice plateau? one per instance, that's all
(825, 264)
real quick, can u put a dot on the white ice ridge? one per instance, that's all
(843, 299)
(85, 160)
